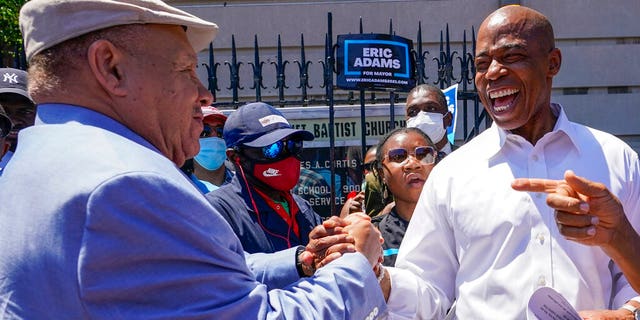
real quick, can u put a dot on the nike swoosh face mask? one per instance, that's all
(281, 175)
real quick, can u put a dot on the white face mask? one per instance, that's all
(430, 123)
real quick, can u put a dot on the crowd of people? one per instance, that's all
(151, 203)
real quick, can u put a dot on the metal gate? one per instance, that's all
(449, 65)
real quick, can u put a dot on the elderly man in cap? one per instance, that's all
(114, 229)
(259, 204)
(17, 104)
(5, 128)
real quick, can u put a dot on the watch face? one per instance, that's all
(636, 314)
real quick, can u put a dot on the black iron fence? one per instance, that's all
(449, 65)
(269, 79)
(452, 63)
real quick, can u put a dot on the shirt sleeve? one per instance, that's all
(153, 249)
(631, 204)
(423, 282)
(276, 270)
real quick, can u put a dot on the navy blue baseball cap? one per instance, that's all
(258, 124)
(14, 81)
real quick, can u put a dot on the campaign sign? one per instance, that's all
(375, 62)
(451, 94)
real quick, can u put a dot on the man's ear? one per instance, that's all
(231, 155)
(234, 157)
(105, 61)
(555, 61)
(447, 120)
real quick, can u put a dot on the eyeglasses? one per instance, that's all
(278, 150)
(209, 131)
(424, 154)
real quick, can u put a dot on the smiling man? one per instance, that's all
(473, 239)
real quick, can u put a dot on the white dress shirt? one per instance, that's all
(474, 239)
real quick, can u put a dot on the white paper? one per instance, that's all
(548, 304)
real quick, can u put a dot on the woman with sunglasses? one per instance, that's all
(404, 160)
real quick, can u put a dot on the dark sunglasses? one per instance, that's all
(425, 154)
(278, 150)
(208, 131)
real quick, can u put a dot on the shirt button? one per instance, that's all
(540, 238)
(534, 157)
(541, 281)
(538, 195)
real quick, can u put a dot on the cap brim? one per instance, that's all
(17, 91)
(46, 23)
(279, 134)
(216, 116)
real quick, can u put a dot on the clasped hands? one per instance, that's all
(336, 236)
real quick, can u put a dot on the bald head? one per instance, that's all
(521, 22)
(516, 60)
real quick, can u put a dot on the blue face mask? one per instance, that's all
(213, 152)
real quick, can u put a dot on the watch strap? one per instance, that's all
(299, 266)
(632, 308)
(629, 307)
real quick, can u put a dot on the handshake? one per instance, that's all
(336, 236)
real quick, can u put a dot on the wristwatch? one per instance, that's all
(303, 269)
(634, 310)
(299, 265)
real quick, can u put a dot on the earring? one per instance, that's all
(385, 192)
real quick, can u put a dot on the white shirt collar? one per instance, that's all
(562, 125)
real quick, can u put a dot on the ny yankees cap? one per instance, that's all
(14, 81)
(258, 124)
(46, 23)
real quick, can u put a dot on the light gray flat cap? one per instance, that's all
(46, 23)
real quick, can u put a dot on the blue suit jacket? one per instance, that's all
(96, 223)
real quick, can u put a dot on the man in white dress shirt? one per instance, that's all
(475, 240)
